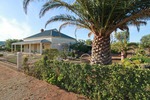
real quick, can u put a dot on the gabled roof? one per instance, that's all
(52, 33)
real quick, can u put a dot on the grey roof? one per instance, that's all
(52, 33)
(31, 42)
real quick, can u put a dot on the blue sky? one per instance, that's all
(15, 24)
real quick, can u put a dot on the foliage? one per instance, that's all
(140, 52)
(121, 44)
(136, 61)
(2, 49)
(98, 16)
(64, 50)
(115, 47)
(80, 47)
(133, 44)
(96, 82)
(122, 39)
(71, 54)
(9, 42)
(88, 42)
(51, 53)
(122, 36)
(145, 41)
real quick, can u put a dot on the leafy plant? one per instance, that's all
(51, 53)
(145, 42)
(96, 82)
(9, 42)
(136, 61)
(80, 47)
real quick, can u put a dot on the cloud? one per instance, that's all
(13, 29)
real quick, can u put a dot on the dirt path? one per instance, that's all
(15, 85)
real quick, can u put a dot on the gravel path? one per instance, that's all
(15, 85)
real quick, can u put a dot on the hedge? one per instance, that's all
(112, 82)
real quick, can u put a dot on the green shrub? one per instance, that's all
(136, 61)
(51, 53)
(112, 82)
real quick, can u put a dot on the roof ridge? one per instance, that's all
(52, 33)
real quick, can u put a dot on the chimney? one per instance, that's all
(42, 30)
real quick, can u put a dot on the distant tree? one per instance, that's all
(145, 41)
(80, 47)
(121, 44)
(88, 42)
(9, 42)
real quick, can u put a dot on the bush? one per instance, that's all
(97, 82)
(51, 53)
(136, 60)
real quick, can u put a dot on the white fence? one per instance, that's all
(17, 58)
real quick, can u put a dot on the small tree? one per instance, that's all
(88, 42)
(80, 47)
(9, 42)
(51, 54)
(145, 41)
(122, 43)
(64, 50)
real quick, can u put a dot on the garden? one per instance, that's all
(109, 67)
(126, 79)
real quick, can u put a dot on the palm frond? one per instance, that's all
(62, 18)
(138, 23)
(25, 4)
(89, 34)
(69, 20)
(101, 17)
(71, 24)
(142, 15)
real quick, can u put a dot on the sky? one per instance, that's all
(15, 24)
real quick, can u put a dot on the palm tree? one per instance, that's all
(101, 18)
(122, 40)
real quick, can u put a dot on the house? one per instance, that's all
(48, 39)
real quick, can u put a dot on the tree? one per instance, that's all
(122, 43)
(88, 42)
(9, 42)
(145, 41)
(80, 47)
(101, 18)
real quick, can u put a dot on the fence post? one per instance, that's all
(19, 60)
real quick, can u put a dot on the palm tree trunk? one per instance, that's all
(101, 53)
(123, 54)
